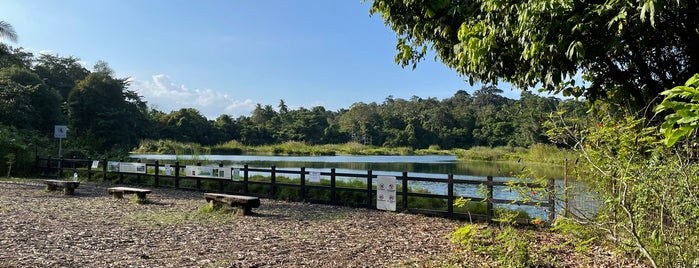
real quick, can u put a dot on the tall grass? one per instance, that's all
(537, 153)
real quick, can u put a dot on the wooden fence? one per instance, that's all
(155, 177)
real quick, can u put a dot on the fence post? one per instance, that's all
(198, 179)
(220, 181)
(177, 174)
(89, 168)
(404, 190)
(121, 175)
(369, 188)
(489, 202)
(332, 186)
(245, 179)
(450, 196)
(104, 170)
(60, 167)
(273, 181)
(138, 177)
(156, 178)
(552, 199)
(36, 161)
(303, 184)
(565, 188)
(47, 168)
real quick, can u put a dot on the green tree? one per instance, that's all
(7, 31)
(104, 115)
(27, 103)
(60, 73)
(682, 105)
(227, 128)
(494, 125)
(15, 57)
(363, 122)
(629, 51)
(528, 115)
(188, 125)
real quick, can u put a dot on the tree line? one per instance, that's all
(104, 115)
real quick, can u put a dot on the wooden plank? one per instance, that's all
(128, 190)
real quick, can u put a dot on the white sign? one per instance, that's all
(132, 167)
(236, 174)
(60, 131)
(215, 172)
(386, 193)
(113, 166)
(168, 170)
(314, 176)
(95, 164)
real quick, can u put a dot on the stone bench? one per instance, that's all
(118, 192)
(67, 186)
(245, 203)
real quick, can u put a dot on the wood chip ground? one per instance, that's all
(91, 229)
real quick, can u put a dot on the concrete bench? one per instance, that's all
(245, 203)
(67, 186)
(118, 192)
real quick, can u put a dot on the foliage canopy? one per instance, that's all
(628, 51)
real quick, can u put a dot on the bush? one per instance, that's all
(649, 203)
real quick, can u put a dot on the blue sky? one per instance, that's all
(224, 57)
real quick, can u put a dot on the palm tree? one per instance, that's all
(7, 31)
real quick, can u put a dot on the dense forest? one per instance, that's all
(104, 115)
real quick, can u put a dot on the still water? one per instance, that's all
(433, 166)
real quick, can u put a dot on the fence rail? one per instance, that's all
(271, 187)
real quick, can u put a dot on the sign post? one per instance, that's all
(60, 132)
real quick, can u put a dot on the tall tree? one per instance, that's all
(7, 31)
(104, 114)
(11, 57)
(188, 125)
(60, 73)
(27, 103)
(629, 51)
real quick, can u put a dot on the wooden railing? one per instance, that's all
(155, 177)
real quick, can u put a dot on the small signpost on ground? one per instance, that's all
(60, 132)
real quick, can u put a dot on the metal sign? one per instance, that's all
(60, 131)
(386, 193)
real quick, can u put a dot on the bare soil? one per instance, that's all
(91, 229)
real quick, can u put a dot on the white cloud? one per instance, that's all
(167, 96)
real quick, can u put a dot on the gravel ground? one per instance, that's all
(91, 229)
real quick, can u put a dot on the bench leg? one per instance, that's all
(68, 191)
(141, 197)
(214, 205)
(118, 195)
(247, 210)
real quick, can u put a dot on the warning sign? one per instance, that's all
(386, 193)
